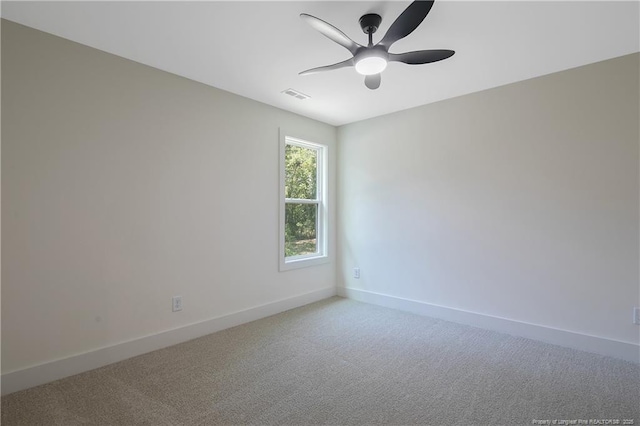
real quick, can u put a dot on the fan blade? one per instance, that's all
(331, 32)
(421, 56)
(372, 81)
(407, 22)
(347, 63)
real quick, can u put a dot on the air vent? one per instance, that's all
(296, 94)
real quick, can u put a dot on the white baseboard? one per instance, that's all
(58, 369)
(613, 348)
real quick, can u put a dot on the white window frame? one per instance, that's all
(322, 217)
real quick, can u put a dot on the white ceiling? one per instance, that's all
(256, 49)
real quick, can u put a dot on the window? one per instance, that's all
(303, 210)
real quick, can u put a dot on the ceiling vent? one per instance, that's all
(296, 94)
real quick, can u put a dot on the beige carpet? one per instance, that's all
(341, 362)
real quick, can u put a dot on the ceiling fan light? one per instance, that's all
(371, 65)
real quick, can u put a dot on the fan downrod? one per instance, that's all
(370, 22)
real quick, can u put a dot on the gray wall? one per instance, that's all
(519, 202)
(123, 186)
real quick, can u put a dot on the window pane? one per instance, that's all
(300, 229)
(300, 172)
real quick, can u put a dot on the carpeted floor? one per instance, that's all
(341, 362)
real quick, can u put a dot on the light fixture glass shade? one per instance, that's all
(371, 65)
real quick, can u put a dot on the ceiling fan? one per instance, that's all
(372, 59)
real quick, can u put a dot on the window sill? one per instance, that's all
(286, 265)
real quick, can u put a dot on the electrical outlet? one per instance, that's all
(356, 272)
(636, 315)
(177, 303)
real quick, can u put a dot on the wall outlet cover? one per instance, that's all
(176, 303)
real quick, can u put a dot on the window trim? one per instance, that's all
(322, 218)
